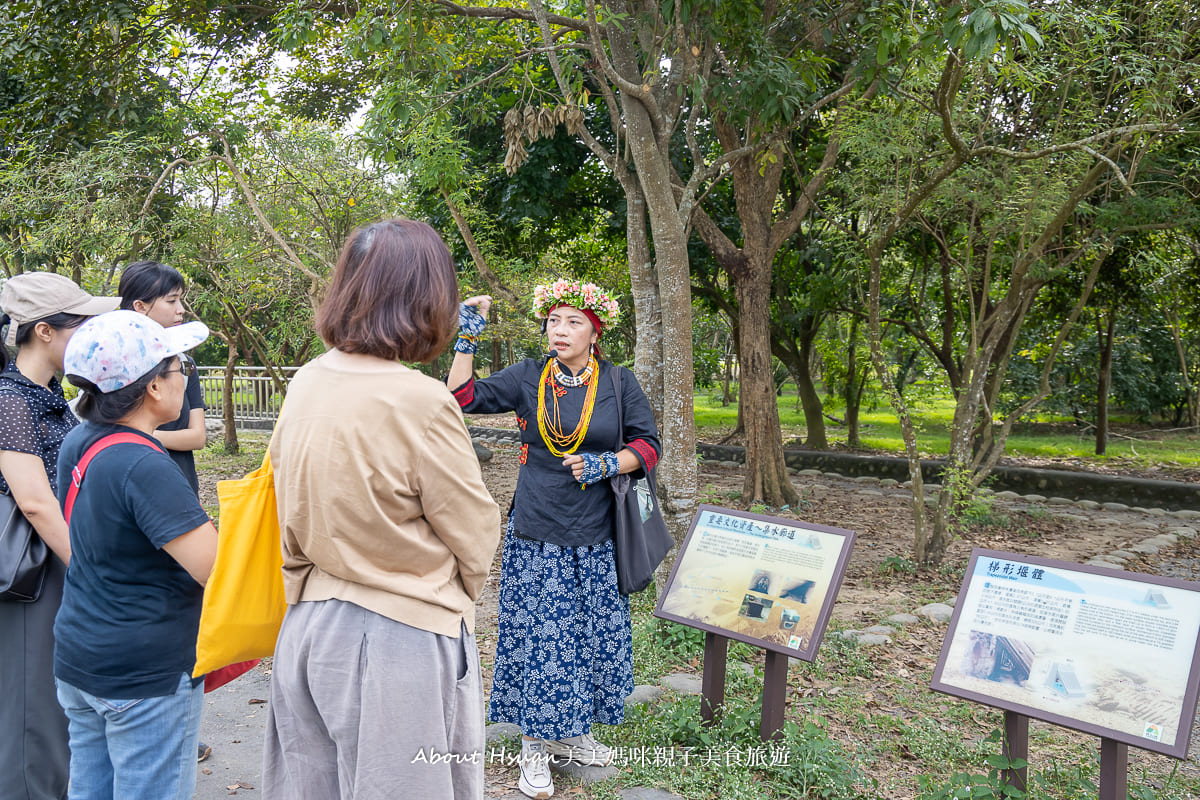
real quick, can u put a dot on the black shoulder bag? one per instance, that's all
(641, 539)
(23, 555)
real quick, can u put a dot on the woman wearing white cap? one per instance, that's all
(40, 312)
(142, 548)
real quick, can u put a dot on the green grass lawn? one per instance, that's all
(1047, 437)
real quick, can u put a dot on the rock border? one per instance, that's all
(1051, 486)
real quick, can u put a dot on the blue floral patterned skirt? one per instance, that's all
(564, 655)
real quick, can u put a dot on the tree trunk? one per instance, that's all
(497, 344)
(78, 261)
(927, 545)
(1191, 396)
(814, 410)
(647, 312)
(725, 388)
(231, 438)
(1104, 380)
(678, 466)
(766, 476)
(853, 394)
(749, 268)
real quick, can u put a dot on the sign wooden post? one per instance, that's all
(712, 685)
(774, 696)
(1114, 770)
(1016, 745)
(766, 581)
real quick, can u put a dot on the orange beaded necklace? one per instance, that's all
(550, 422)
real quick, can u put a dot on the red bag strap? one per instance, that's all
(78, 471)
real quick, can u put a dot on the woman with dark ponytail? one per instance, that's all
(156, 290)
(41, 311)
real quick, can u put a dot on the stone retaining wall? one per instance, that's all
(1066, 484)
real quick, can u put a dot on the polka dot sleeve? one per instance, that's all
(33, 420)
(18, 432)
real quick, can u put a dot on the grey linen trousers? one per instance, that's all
(366, 708)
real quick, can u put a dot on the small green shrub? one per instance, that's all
(898, 565)
(737, 723)
(680, 640)
(818, 767)
(973, 786)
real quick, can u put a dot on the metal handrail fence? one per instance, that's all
(256, 400)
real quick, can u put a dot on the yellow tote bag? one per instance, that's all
(243, 600)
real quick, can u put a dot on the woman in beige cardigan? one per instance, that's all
(388, 536)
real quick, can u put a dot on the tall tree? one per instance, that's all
(998, 156)
(775, 77)
(641, 66)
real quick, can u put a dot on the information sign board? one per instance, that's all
(1100, 650)
(764, 580)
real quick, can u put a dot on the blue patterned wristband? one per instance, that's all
(598, 466)
(465, 344)
(470, 321)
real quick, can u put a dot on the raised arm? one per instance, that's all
(472, 316)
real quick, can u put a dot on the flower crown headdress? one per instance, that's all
(584, 296)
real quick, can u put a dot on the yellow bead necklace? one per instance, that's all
(550, 422)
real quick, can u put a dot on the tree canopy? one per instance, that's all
(997, 195)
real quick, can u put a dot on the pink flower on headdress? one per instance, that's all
(587, 296)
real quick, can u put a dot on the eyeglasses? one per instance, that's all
(186, 367)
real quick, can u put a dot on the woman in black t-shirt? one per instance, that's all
(142, 550)
(157, 290)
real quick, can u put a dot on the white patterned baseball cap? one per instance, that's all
(115, 349)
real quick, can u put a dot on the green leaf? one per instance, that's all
(988, 45)
(971, 48)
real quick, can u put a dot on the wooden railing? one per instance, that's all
(256, 400)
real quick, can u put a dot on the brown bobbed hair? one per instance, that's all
(393, 295)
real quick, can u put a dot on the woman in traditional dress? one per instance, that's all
(564, 652)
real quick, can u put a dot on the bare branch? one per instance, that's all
(980, 465)
(485, 272)
(1080, 144)
(507, 13)
(252, 201)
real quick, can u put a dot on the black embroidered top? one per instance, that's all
(33, 419)
(548, 505)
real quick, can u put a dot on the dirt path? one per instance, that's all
(876, 585)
